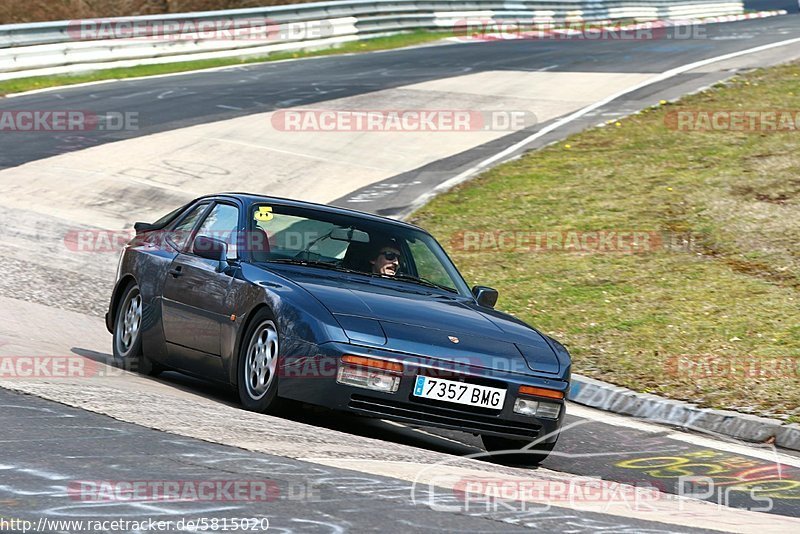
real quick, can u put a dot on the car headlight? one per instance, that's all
(526, 404)
(370, 373)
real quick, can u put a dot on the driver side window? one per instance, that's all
(222, 223)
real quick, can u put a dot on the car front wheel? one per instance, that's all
(258, 364)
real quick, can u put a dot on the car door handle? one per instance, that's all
(176, 272)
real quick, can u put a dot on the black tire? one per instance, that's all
(532, 456)
(127, 340)
(257, 369)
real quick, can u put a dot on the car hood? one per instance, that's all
(422, 324)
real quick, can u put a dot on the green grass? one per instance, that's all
(369, 45)
(734, 295)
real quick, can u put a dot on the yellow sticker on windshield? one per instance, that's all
(264, 214)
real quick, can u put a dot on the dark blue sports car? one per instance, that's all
(342, 309)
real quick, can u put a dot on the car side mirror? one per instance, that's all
(210, 248)
(486, 296)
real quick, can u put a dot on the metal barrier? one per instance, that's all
(68, 46)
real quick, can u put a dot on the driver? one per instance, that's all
(387, 261)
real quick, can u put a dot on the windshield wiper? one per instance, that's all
(307, 250)
(333, 267)
(422, 281)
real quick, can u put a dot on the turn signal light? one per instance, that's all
(373, 362)
(541, 392)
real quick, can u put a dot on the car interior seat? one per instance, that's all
(357, 257)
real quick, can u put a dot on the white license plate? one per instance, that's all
(459, 392)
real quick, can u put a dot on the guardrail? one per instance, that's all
(49, 48)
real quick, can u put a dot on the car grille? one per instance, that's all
(437, 416)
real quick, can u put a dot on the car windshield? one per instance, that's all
(302, 236)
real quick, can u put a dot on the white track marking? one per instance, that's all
(430, 479)
(722, 443)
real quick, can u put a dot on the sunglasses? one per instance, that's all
(391, 256)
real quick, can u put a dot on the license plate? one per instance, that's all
(459, 392)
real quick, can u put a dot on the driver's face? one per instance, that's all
(384, 265)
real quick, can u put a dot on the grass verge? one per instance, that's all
(712, 319)
(367, 45)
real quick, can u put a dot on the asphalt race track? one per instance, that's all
(345, 473)
(341, 498)
(172, 102)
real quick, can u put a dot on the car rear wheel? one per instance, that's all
(504, 449)
(128, 352)
(258, 364)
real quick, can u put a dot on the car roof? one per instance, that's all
(250, 198)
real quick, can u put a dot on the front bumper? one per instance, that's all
(311, 378)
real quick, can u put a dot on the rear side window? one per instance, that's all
(166, 219)
(182, 232)
(222, 223)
